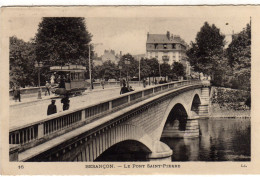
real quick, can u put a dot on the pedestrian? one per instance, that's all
(92, 84)
(52, 109)
(52, 79)
(155, 81)
(161, 81)
(124, 89)
(19, 94)
(48, 87)
(15, 93)
(103, 83)
(144, 82)
(66, 102)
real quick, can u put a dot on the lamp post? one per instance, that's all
(127, 62)
(39, 65)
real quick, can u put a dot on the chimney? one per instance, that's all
(147, 35)
(120, 54)
(168, 34)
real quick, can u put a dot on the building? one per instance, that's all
(167, 48)
(97, 60)
(111, 55)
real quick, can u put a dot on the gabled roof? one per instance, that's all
(162, 38)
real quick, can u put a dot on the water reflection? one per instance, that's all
(220, 140)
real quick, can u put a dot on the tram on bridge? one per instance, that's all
(71, 79)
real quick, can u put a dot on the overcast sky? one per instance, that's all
(128, 33)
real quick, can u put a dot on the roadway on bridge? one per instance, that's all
(35, 111)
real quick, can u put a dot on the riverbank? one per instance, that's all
(229, 103)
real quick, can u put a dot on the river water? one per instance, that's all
(221, 140)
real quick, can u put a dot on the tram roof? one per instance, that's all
(75, 68)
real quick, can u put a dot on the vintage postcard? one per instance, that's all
(130, 90)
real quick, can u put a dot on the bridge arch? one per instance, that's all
(113, 136)
(128, 150)
(178, 115)
(196, 102)
(189, 101)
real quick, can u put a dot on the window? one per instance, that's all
(165, 46)
(155, 46)
(173, 46)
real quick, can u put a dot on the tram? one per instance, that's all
(70, 79)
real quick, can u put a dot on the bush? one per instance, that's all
(231, 98)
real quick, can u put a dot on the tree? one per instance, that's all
(62, 40)
(22, 58)
(154, 65)
(239, 55)
(109, 70)
(166, 70)
(131, 68)
(177, 69)
(207, 49)
(145, 68)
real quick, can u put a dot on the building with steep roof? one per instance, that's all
(167, 48)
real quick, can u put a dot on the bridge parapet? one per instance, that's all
(60, 123)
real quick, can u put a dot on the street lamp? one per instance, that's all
(127, 62)
(39, 65)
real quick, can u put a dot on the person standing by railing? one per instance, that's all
(52, 109)
(124, 89)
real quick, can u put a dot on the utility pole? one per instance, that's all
(89, 69)
(89, 62)
(139, 70)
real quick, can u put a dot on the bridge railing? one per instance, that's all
(60, 121)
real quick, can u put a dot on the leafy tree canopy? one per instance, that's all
(154, 65)
(166, 70)
(22, 57)
(239, 55)
(207, 49)
(129, 64)
(177, 69)
(62, 40)
(145, 68)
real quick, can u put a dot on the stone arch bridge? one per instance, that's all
(132, 122)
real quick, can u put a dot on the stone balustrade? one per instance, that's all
(73, 118)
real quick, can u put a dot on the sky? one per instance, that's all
(128, 33)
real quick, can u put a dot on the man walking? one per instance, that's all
(144, 82)
(66, 102)
(103, 83)
(48, 86)
(52, 109)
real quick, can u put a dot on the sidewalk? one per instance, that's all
(52, 96)
(35, 99)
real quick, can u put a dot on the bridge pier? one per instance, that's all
(173, 131)
(160, 152)
(204, 106)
